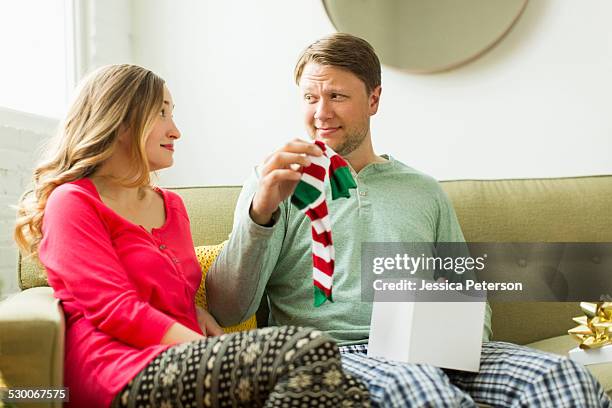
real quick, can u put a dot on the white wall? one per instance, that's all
(229, 66)
(102, 37)
(103, 33)
(538, 105)
(20, 137)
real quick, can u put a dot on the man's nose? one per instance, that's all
(324, 110)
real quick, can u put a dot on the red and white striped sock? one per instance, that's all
(309, 197)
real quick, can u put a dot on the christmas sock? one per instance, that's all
(309, 197)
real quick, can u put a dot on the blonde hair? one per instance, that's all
(111, 98)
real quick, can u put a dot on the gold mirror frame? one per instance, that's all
(456, 33)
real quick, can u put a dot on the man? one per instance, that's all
(270, 249)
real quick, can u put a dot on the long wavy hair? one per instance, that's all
(111, 98)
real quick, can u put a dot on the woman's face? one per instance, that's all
(160, 142)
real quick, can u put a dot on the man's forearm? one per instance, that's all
(236, 281)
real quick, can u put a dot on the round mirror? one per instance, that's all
(426, 36)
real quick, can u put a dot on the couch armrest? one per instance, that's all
(32, 340)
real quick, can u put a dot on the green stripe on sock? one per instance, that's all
(341, 181)
(319, 297)
(304, 195)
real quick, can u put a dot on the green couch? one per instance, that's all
(575, 209)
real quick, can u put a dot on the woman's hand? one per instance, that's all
(207, 323)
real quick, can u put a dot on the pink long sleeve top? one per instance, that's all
(121, 287)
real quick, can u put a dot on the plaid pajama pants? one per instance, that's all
(510, 376)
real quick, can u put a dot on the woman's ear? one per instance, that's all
(123, 134)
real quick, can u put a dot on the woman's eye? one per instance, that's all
(163, 113)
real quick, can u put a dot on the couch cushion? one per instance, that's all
(526, 322)
(32, 339)
(571, 209)
(30, 274)
(563, 344)
(534, 210)
(211, 212)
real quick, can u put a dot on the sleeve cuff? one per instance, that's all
(158, 324)
(257, 228)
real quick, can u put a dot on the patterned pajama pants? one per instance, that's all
(271, 367)
(510, 376)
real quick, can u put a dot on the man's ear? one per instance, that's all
(374, 99)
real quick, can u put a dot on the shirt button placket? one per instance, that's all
(363, 199)
(168, 253)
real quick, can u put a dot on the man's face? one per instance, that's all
(337, 107)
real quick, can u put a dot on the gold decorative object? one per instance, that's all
(2, 387)
(595, 327)
(423, 37)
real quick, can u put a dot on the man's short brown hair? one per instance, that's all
(344, 51)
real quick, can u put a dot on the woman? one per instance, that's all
(119, 255)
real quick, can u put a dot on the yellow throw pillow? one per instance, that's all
(206, 256)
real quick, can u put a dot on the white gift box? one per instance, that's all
(591, 356)
(443, 334)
